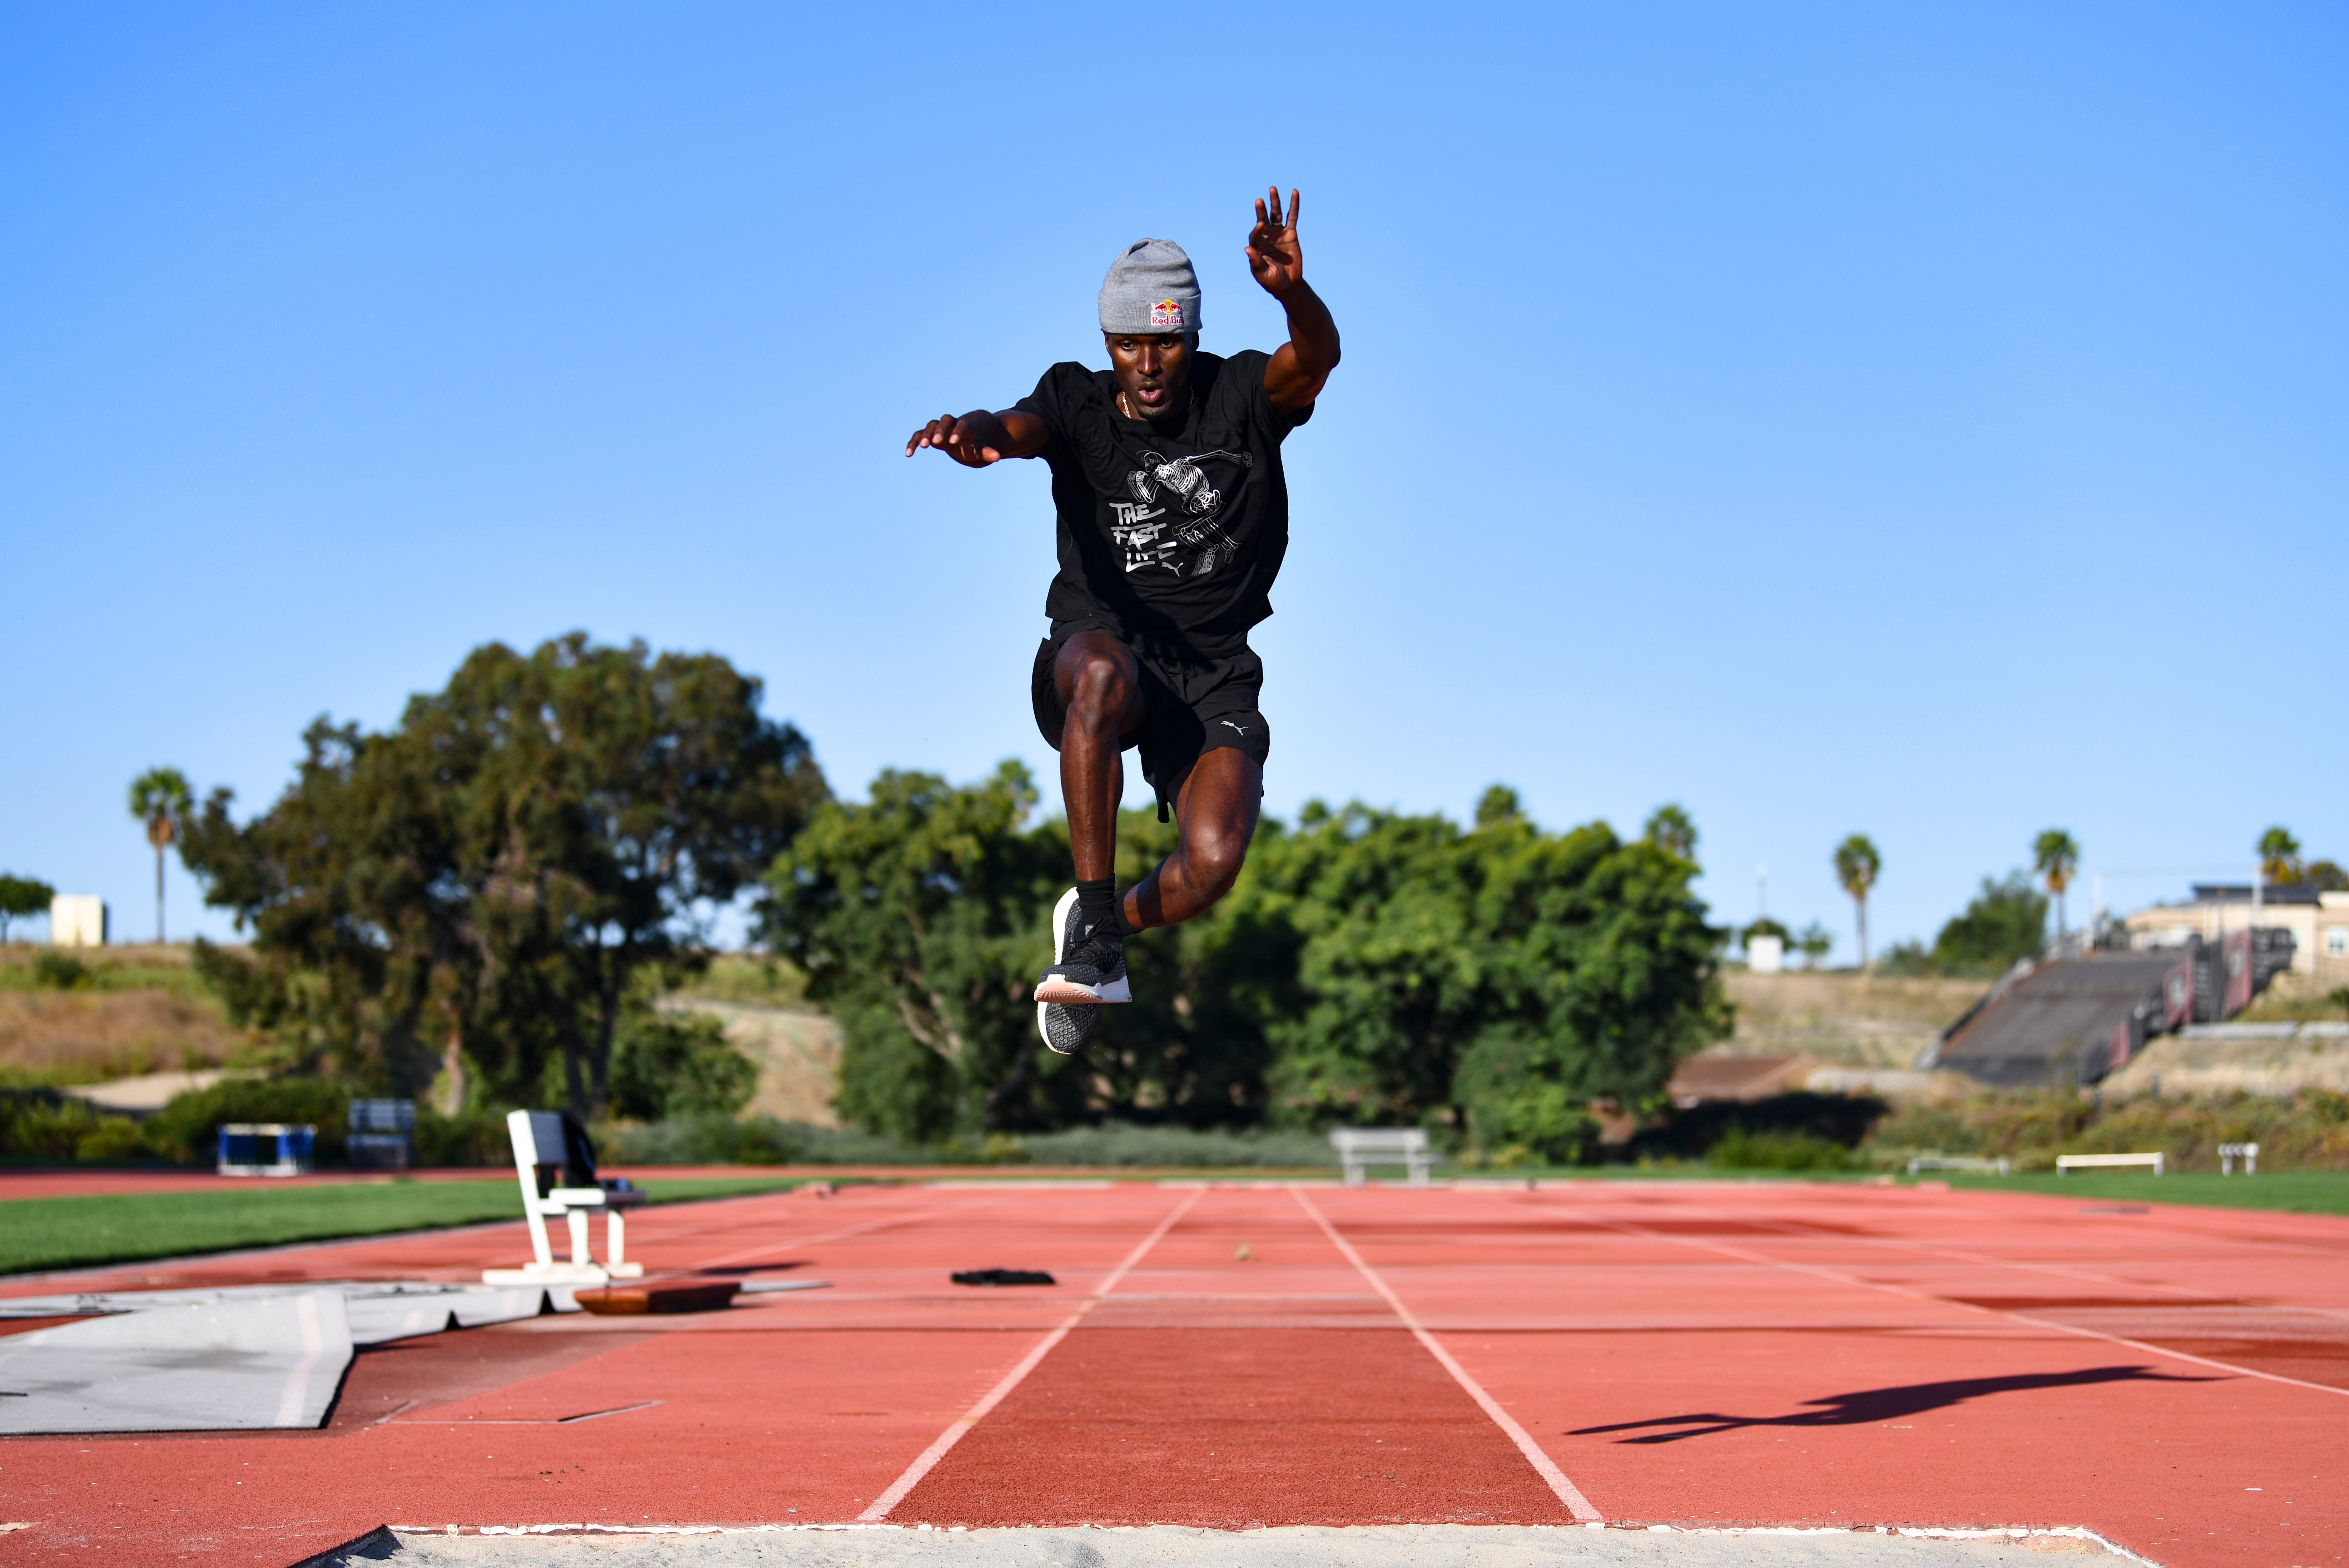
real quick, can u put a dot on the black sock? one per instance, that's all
(1097, 903)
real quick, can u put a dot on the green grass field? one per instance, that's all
(68, 1232)
(2294, 1191)
(2297, 1191)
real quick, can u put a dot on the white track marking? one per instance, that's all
(929, 1457)
(1840, 1277)
(1803, 1230)
(1799, 1230)
(1543, 1466)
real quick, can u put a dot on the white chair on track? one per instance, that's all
(556, 1166)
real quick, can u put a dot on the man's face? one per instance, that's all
(1153, 372)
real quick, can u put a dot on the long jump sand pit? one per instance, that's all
(1495, 1365)
(1174, 1546)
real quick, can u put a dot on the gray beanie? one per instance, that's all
(1151, 289)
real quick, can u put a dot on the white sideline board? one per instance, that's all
(2091, 1162)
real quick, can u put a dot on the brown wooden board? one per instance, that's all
(657, 1295)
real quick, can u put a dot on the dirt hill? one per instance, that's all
(129, 1010)
(1847, 1018)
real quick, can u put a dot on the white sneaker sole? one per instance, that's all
(1069, 992)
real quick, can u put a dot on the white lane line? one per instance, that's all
(947, 1440)
(1798, 1230)
(1820, 1272)
(1543, 1466)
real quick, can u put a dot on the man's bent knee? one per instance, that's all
(1096, 675)
(1100, 689)
(1213, 861)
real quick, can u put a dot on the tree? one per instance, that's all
(1368, 967)
(499, 870)
(2325, 876)
(2006, 920)
(2279, 857)
(2055, 856)
(1856, 867)
(1813, 943)
(919, 919)
(161, 799)
(1499, 804)
(1671, 829)
(21, 898)
(1500, 981)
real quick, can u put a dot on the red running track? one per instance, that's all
(2174, 1379)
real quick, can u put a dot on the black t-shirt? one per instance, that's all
(1170, 536)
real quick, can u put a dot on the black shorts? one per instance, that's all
(1189, 707)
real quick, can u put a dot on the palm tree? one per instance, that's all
(2279, 857)
(161, 799)
(2055, 856)
(1855, 865)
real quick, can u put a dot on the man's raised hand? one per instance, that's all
(974, 440)
(1273, 254)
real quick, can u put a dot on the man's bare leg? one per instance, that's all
(1101, 685)
(1217, 809)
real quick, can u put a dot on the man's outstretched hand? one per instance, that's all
(973, 441)
(1295, 374)
(1273, 254)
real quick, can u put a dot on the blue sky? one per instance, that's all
(1923, 420)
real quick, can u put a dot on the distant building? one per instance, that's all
(77, 920)
(2319, 924)
(1764, 954)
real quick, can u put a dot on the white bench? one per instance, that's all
(2248, 1154)
(2090, 1161)
(1958, 1162)
(1359, 1147)
(539, 1150)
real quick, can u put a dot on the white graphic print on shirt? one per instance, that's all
(1184, 535)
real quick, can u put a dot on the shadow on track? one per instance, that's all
(1887, 1404)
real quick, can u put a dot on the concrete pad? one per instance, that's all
(242, 1365)
(377, 1310)
(1171, 1546)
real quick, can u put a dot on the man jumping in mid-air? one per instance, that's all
(1174, 516)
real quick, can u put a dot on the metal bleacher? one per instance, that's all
(2082, 1012)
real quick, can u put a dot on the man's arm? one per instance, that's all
(979, 437)
(1294, 376)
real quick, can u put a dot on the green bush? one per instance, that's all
(61, 971)
(1740, 1149)
(468, 1138)
(711, 1140)
(678, 1064)
(762, 1140)
(109, 1139)
(185, 1130)
(1121, 1143)
(42, 1124)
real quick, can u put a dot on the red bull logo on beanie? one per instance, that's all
(1166, 315)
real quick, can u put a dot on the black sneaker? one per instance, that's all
(1064, 1028)
(1088, 965)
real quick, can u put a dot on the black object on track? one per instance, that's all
(1004, 1276)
